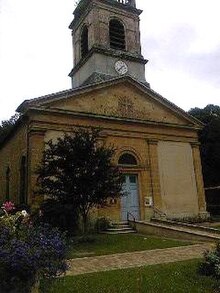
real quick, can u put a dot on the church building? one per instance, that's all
(156, 142)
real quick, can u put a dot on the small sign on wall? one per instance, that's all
(148, 201)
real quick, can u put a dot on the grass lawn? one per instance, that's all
(167, 278)
(100, 244)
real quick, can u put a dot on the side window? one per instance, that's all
(84, 42)
(116, 35)
(23, 180)
(7, 187)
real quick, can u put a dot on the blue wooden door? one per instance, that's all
(130, 202)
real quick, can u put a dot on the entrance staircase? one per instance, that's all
(119, 228)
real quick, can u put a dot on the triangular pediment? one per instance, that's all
(126, 99)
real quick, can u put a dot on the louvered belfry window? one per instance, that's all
(84, 42)
(117, 35)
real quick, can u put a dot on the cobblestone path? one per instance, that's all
(135, 259)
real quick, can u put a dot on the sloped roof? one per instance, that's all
(43, 100)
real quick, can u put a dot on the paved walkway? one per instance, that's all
(135, 259)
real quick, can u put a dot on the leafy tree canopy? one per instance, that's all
(207, 114)
(209, 138)
(78, 170)
(7, 125)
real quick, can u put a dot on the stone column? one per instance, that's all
(199, 179)
(35, 152)
(155, 175)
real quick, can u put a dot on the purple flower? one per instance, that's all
(31, 251)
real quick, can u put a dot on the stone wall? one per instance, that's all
(139, 140)
(163, 142)
(177, 179)
(10, 157)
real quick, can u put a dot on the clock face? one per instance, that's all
(121, 67)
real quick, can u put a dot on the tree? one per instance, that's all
(209, 138)
(207, 114)
(7, 125)
(78, 170)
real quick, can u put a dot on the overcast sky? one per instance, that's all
(180, 38)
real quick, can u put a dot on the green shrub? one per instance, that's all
(210, 265)
(60, 215)
(102, 224)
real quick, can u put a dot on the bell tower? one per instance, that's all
(106, 41)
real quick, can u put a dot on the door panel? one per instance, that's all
(130, 202)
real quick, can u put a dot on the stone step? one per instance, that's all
(118, 232)
(115, 226)
(119, 228)
(120, 223)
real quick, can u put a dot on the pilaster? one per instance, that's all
(155, 175)
(199, 178)
(35, 153)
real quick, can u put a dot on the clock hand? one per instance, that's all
(121, 67)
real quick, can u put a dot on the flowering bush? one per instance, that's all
(28, 252)
(8, 207)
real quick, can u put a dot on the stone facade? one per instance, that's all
(134, 119)
(11, 154)
(166, 178)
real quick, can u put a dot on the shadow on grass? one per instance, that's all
(101, 244)
(166, 278)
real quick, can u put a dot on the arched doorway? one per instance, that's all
(130, 201)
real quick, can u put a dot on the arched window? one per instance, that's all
(116, 35)
(7, 187)
(84, 41)
(23, 180)
(127, 159)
